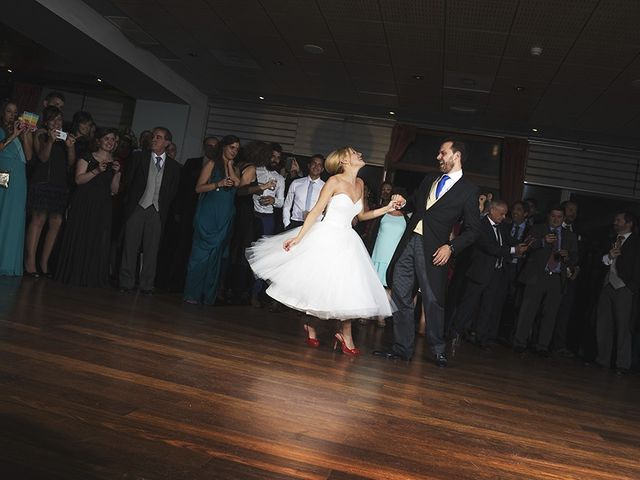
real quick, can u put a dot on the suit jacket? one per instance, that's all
(136, 183)
(628, 263)
(487, 250)
(534, 267)
(437, 222)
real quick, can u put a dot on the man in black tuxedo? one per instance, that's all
(152, 180)
(553, 253)
(615, 306)
(425, 249)
(486, 284)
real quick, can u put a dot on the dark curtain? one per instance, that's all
(26, 97)
(514, 162)
(401, 137)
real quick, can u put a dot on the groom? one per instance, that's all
(425, 249)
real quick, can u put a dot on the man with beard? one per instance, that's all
(425, 249)
(264, 205)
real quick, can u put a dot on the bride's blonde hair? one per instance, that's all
(333, 163)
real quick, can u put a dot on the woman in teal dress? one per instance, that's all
(213, 223)
(13, 198)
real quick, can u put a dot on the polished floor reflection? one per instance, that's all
(98, 384)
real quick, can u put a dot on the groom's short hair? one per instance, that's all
(458, 146)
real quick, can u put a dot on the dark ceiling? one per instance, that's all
(457, 63)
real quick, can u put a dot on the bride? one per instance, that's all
(324, 269)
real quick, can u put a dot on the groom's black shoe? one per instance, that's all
(390, 355)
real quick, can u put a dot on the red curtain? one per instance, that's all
(401, 137)
(26, 97)
(514, 162)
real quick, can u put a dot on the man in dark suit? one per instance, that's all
(615, 306)
(425, 249)
(554, 251)
(151, 184)
(486, 279)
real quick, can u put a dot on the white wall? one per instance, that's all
(173, 116)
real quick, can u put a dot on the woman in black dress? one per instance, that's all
(48, 188)
(84, 256)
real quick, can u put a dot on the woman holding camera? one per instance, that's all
(84, 256)
(48, 188)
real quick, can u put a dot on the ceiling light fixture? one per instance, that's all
(9, 70)
(418, 77)
(261, 97)
(534, 130)
(392, 113)
(519, 89)
(314, 49)
(99, 80)
(536, 51)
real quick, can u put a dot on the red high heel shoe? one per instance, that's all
(311, 342)
(353, 352)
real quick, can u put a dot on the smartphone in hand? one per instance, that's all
(60, 135)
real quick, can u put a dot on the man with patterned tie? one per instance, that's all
(618, 295)
(553, 252)
(425, 249)
(303, 194)
(151, 183)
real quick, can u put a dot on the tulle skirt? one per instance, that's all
(329, 274)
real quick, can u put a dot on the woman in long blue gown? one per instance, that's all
(213, 223)
(13, 199)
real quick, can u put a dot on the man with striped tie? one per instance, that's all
(425, 250)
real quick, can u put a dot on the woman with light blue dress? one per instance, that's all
(16, 146)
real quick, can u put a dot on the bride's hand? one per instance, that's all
(290, 243)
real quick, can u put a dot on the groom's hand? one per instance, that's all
(441, 257)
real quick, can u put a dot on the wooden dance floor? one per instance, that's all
(101, 385)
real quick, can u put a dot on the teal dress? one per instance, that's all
(13, 208)
(391, 230)
(212, 228)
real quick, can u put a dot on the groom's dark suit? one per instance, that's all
(413, 258)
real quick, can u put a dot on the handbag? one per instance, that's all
(4, 178)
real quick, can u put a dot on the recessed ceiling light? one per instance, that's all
(392, 113)
(519, 89)
(536, 51)
(261, 97)
(9, 70)
(418, 77)
(534, 130)
(99, 80)
(312, 48)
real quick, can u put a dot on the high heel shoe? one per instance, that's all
(311, 342)
(352, 352)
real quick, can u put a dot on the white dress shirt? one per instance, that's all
(263, 175)
(451, 181)
(294, 204)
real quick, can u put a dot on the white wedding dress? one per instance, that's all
(329, 274)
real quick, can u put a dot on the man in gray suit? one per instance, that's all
(553, 253)
(151, 183)
(620, 290)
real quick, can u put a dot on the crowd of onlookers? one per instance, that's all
(92, 206)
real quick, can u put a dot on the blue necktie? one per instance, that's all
(441, 185)
(158, 162)
(307, 203)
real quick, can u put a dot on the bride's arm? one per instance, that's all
(325, 195)
(365, 215)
